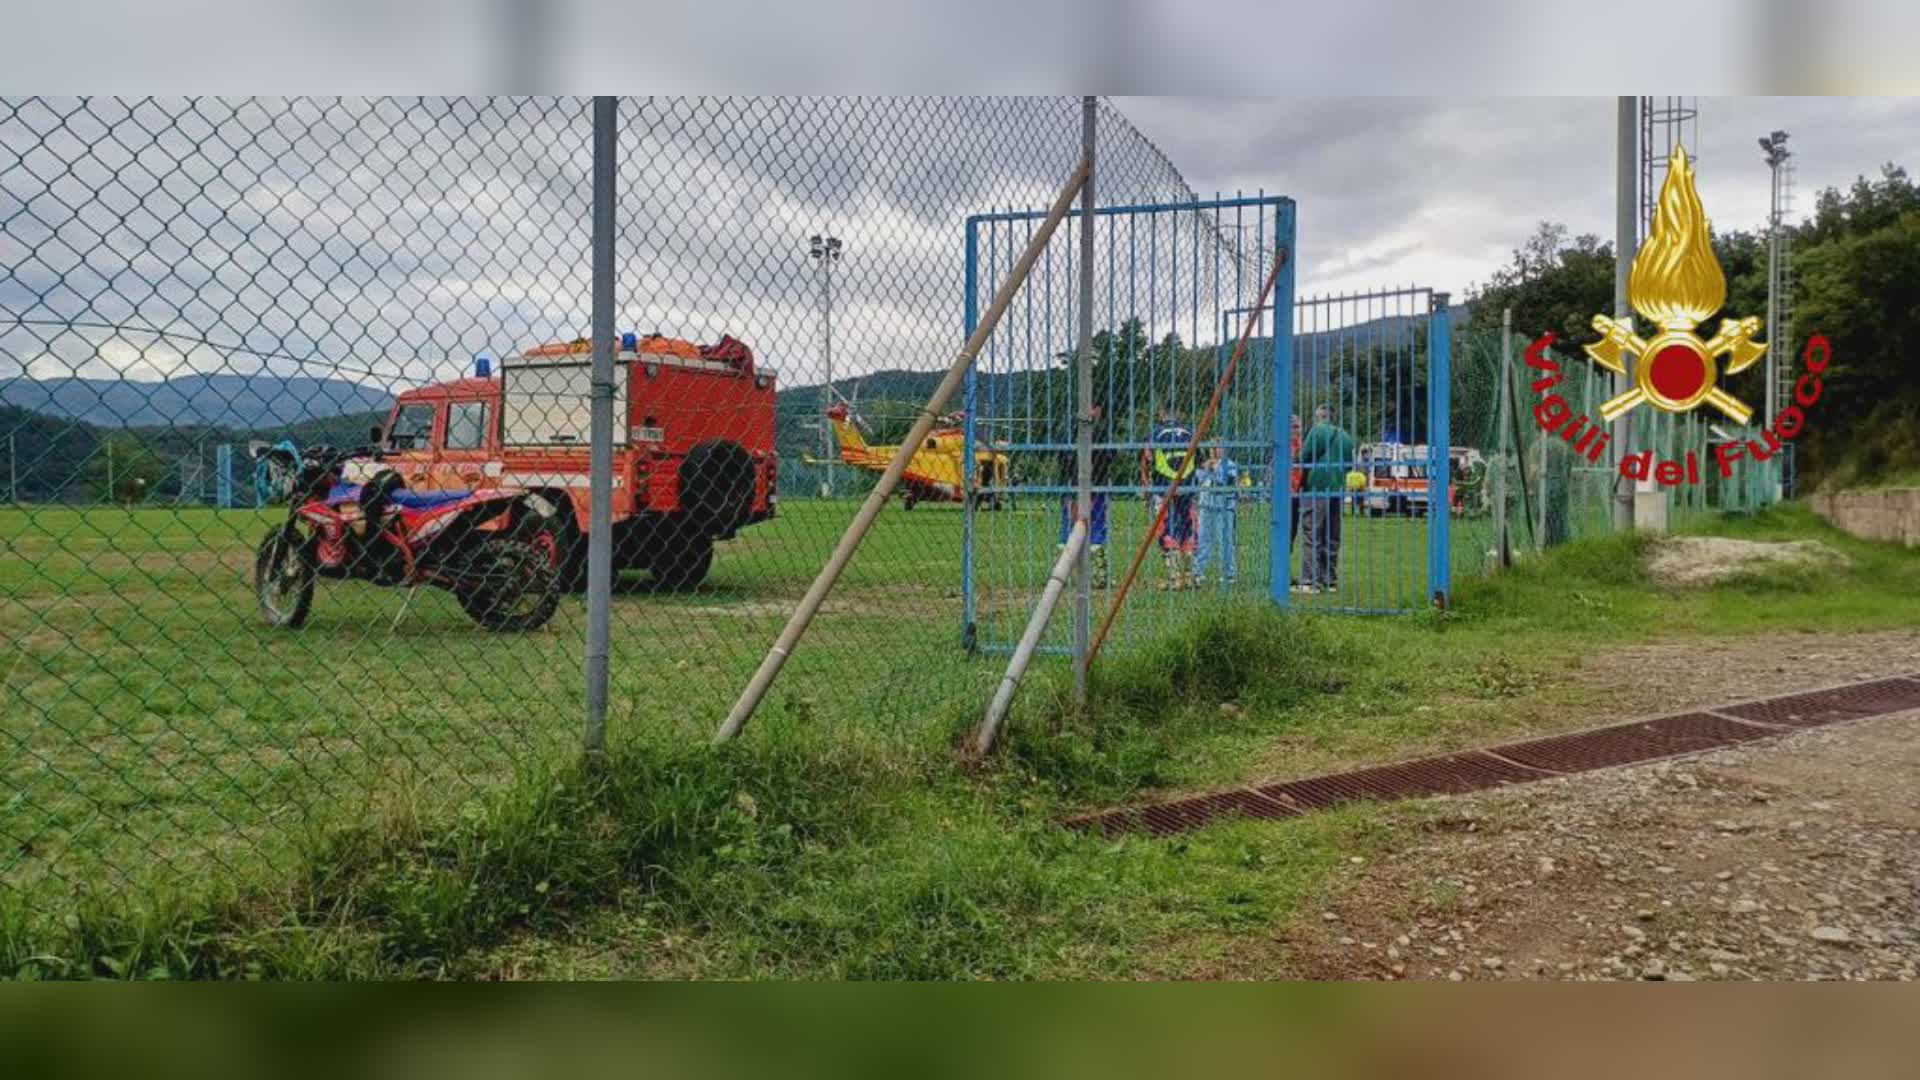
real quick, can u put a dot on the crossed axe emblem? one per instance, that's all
(1676, 370)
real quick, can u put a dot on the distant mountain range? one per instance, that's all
(228, 401)
(253, 402)
(57, 424)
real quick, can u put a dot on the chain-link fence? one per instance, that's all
(295, 402)
(1542, 489)
(298, 401)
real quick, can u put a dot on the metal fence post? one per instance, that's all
(1503, 537)
(1439, 452)
(600, 431)
(223, 476)
(969, 442)
(1626, 239)
(1083, 394)
(1279, 520)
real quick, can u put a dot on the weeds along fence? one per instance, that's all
(182, 280)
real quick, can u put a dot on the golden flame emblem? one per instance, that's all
(1676, 282)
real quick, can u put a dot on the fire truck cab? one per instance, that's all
(693, 446)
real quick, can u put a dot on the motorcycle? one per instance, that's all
(482, 546)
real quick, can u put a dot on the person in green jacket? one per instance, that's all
(1328, 453)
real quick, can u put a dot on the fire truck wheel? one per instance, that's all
(716, 487)
(683, 565)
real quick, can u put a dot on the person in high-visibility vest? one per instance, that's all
(1171, 462)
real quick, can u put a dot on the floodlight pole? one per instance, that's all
(1083, 413)
(826, 250)
(600, 432)
(1626, 240)
(1774, 146)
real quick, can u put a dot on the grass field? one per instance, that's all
(158, 728)
(382, 797)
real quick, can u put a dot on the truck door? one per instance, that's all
(465, 445)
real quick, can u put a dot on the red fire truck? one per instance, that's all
(693, 453)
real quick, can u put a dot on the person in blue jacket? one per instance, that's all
(1217, 491)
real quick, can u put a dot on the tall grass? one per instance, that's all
(806, 853)
(1233, 668)
(810, 849)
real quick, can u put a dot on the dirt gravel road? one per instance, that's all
(1791, 858)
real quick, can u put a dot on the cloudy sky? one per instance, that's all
(389, 241)
(1439, 190)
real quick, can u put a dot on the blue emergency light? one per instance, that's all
(629, 341)
(482, 367)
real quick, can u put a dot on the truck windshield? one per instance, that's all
(411, 428)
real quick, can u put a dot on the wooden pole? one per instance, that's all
(809, 606)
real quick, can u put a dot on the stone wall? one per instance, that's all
(1889, 514)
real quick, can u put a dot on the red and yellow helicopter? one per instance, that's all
(933, 472)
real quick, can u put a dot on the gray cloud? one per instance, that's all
(1439, 190)
(391, 240)
(388, 241)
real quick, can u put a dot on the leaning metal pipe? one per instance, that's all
(1063, 568)
(789, 638)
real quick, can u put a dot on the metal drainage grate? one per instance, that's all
(1829, 706)
(1183, 815)
(1517, 763)
(1623, 744)
(1453, 774)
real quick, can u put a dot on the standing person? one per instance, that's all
(1069, 477)
(1328, 453)
(1219, 497)
(1171, 463)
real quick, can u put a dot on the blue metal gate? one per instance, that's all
(1375, 369)
(1173, 284)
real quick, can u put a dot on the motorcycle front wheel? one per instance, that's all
(283, 581)
(509, 586)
